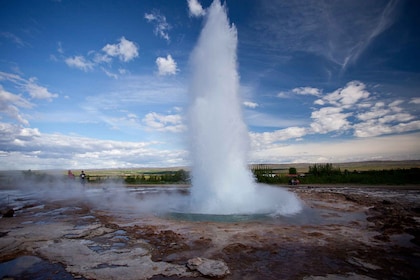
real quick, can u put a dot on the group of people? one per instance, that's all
(82, 176)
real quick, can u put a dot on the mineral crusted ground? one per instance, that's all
(345, 232)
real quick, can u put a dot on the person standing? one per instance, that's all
(70, 175)
(83, 177)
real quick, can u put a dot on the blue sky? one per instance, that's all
(104, 84)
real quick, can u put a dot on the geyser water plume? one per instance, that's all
(222, 182)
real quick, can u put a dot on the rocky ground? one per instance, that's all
(345, 232)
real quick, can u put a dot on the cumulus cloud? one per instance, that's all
(169, 123)
(166, 66)
(329, 119)
(250, 104)
(195, 8)
(125, 50)
(161, 25)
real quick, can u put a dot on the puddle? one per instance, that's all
(308, 216)
(31, 267)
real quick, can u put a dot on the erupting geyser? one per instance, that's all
(222, 182)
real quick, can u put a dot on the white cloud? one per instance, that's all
(283, 94)
(300, 91)
(307, 91)
(79, 62)
(161, 25)
(374, 128)
(14, 134)
(166, 66)
(379, 119)
(268, 138)
(250, 104)
(329, 119)
(195, 8)
(415, 100)
(345, 97)
(125, 50)
(170, 123)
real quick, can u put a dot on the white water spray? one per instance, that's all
(222, 182)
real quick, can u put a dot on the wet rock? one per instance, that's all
(208, 267)
(9, 213)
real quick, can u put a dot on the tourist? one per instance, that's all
(83, 177)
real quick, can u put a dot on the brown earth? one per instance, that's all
(352, 232)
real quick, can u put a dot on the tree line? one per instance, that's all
(164, 177)
(328, 174)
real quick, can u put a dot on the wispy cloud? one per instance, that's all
(12, 105)
(79, 62)
(340, 31)
(307, 91)
(30, 86)
(13, 38)
(158, 122)
(124, 50)
(161, 25)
